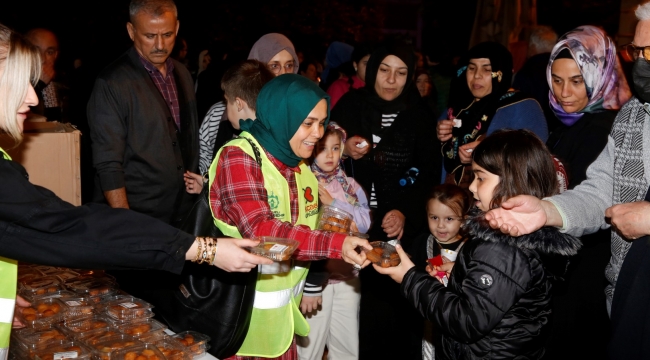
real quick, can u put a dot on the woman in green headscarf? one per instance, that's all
(260, 186)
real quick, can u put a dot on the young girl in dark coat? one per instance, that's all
(498, 299)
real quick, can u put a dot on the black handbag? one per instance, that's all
(210, 300)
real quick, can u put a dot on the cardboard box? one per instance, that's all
(50, 153)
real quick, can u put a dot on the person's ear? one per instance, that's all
(355, 65)
(240, 104)
(131, 30)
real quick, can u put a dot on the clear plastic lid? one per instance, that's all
(143, 329)
(41, 285)
(30, 337)
(382, 254)
(64, 274)
(172, 349)
(63, 350)
(78, 307)
(75, 327)
(59, 294)
(47, 270)
(195, 342)
(277, 249)
(107, 347)
(42, 313)
(127, 308)
(140, 352)
(92, 287)
(92, 337)
(334, 219)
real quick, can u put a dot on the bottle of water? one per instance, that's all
(409, 177)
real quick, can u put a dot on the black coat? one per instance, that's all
(38, 227)
(577, 146)
(135, 140)
(409, 142)
(497, 302)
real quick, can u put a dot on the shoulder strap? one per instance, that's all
(256, 150)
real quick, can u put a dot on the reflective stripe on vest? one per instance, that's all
(276, 316)
(8, 279)
(277, 299)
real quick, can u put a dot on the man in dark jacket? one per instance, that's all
(143, 120)
(144, 129)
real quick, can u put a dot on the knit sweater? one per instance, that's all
(619, 175)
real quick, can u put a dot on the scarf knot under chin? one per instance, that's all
(339, 175)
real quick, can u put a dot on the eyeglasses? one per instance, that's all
(632, 52)
(276, 68)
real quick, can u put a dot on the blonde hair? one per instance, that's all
(20, 64)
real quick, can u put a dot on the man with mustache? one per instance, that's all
(144, 130)
(143, 120)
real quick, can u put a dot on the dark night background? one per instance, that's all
(95, 30)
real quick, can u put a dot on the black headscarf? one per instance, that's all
(476, 116)
(409, 95)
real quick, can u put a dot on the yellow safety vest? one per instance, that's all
(276, 315)
(8, 275)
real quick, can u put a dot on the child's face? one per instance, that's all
(444, 223)
(231, 111)
(483, 186)
(329, 153)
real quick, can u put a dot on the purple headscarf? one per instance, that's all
(595, 54)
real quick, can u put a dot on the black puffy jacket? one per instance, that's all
(497, 302)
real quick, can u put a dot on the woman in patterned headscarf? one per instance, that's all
(587, 88)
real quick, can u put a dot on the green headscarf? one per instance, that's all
(282, 105)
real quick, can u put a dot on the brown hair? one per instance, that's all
(452, 196)
(522, 162)
(245, 81)
(20, 64)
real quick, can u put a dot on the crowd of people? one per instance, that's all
(517, 202)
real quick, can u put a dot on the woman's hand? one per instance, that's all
(465, 152)
(393, 224)
(397, 273)
(352, 150)
(193, 182)
(231, 256)
(349, 251)
(443, 129)
(310, 304)
(324, 195)
(20, 305)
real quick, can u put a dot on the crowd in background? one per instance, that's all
(400, 122)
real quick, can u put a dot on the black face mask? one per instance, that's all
(641, 79)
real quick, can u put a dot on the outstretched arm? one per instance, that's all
(524, 214)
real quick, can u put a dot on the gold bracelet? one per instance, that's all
(198, 249)
(214, 253)
(204, 253)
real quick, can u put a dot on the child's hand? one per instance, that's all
(310, 304)
(193, 182)
(393, 224)
(397, 272)
(324, 195)
(446, 268)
